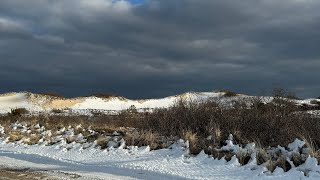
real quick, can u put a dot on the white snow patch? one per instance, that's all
(17, 100)
(296, 145)
(141, 163)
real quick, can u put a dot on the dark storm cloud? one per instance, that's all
(160, 47)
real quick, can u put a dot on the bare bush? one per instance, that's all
(275, 123)
(104, 95)
(145, 138)
(18, 112)
(52, 94)
(57, 111)
(315, 102)
(284, 93)
(228, 93)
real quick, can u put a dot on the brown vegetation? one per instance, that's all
(274, 123)
(104, 95)
(18, 112)
(205, 125)
(228, 93)
(284, 93)
(52, 94)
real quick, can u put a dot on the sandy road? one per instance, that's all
(22, 174)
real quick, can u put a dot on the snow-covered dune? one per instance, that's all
(39, 103)
(16, 100)
(45, 103)
(117, 103)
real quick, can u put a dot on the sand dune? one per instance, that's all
(45, 103)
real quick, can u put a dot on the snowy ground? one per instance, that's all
(139, 163)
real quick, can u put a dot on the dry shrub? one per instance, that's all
(70, 139)
(229, 93)
(283, 93)
(283, 163)
(102, 142)
(237, 136)
(150, 138)
(132, 109)
(181, 117)
(243, 157)
(52, 94)
(217, 132)
(227, 155)
(315, 105)
(312, 147)
(271, 165)
(144, 138)
(96, 113)
(104, 95)
(31, 140)
(18, 112)
(215, 135)
(91, 137)
(298, 158)
(132, 138)
(315, 102)
(262, 156)
(57, 111)
(194, 142)
(274, 123)
(15, 136)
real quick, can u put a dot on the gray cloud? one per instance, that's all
(160, 47)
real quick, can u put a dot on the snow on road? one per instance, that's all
(140, 163)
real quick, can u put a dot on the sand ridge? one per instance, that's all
(51, 102)
(8, 94)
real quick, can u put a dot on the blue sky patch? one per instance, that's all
(136, 1)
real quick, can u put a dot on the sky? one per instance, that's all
(155, 48)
